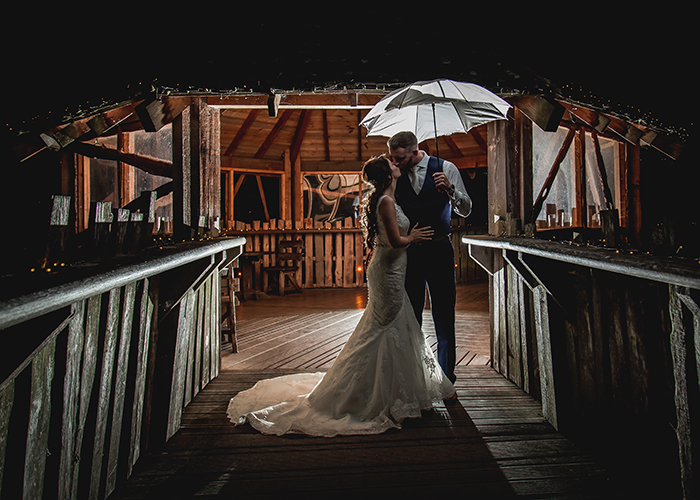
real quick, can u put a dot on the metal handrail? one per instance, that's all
(665, 270)
(32, 305)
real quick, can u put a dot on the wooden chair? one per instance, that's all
(289, 254)
(229, 286)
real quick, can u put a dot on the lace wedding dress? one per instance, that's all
(385, 373)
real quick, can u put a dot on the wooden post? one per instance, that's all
(58, 230)
(109, 350)
(524, 129)
(82, 193)
(601, 171)
(196, 169)
(177, 390)
(118, 234)
(210, 162)
(514, 330)
(580, 217)
(633, 194)
(71, 402)
(549, 181)
(502, 163)
(100, 221)
(39, 421)
(181, 176)
(542, 333)
(297, 191)
(227, 212)
(286, 198)
(122, 367)
(544, 355)
(308, 255)
(610, 227)
(679, 356)
(125, 172)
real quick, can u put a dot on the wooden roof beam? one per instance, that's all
(625, 130)
(282, 120)
(597, 121)
(546, 113)
(252, 165)
(150, 165)
(156, 113)
(479, 140)
(299, 133)
(466, 162)
(303, 100)
(83, 129)
(326, 143)
(456, 152)
(668, 145)
(241, 132)
(544, 192)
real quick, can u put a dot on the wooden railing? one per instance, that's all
(97, 369)
(334, 256)
(608, 340)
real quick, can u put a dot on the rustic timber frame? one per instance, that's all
(601, 340)
(104, 368)
(606, 336)
(536, 318)
(334, 255)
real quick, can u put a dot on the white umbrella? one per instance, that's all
(434, 108)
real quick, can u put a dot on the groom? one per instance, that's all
(428, 191)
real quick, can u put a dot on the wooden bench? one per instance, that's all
(289, 254)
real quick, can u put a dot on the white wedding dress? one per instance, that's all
(385, 373)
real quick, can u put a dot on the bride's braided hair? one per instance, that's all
(376, 176)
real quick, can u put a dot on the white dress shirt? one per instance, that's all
(461, 202)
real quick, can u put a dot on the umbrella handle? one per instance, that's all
(437, 154)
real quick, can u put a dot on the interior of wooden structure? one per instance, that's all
(269, 143)
(294, 157)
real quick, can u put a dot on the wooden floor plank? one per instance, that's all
(468, 448)
(493, 442)
(270, 331)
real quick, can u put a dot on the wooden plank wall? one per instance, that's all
(612, 359)
(334, 255)
(79, 415)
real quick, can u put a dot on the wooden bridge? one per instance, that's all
(494, 442)
(112, 379)
(117, 384)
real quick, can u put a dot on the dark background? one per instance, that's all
(634, 61)
(57, 60)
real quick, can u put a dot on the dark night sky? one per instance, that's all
(636, 60)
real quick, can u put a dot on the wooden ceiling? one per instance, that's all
(324, 140)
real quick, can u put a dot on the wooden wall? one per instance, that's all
(105, 378)
(334, 255)
(609, 353)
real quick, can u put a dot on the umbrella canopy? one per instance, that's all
(434, 108)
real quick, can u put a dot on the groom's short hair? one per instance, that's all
(405, 140)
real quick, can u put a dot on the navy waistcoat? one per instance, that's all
(429, 207)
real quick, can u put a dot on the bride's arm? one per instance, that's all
(387, 211)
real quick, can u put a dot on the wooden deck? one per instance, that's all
(306, 331)
(492, 443)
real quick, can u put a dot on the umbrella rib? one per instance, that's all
(403, 95)
(441, 89)
(461, 93)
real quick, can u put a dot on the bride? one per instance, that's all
(386, 372)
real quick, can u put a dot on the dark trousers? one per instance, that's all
(433, 263)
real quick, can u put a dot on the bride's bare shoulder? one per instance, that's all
(388, 203)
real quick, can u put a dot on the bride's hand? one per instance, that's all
(420, 234)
